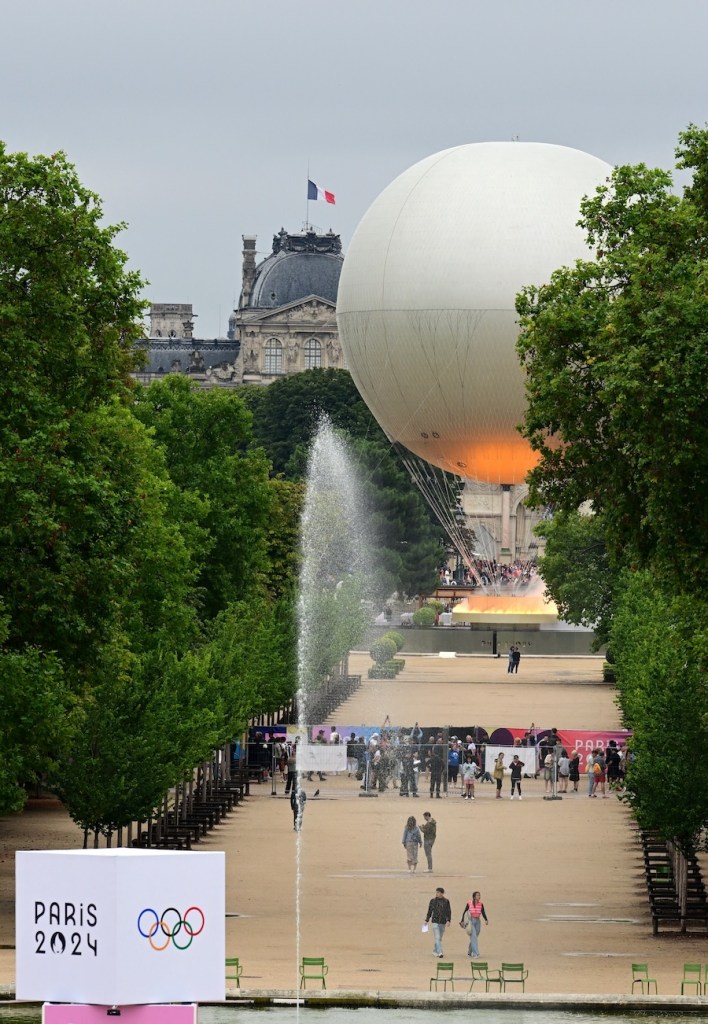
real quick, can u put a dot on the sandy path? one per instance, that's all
(561, 881)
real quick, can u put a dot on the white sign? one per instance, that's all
(527, 755)
(321, 757)
(119, 927)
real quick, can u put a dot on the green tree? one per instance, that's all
(33, 723)
(252, 655)
(660, 644)
(577, 572)
(205, 437)
(616, 357)
(138, 733)
(286, 415)
(96, 565)
(616, 354)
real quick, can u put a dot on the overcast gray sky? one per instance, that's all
(196, 121)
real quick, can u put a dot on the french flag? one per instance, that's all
(315, 192)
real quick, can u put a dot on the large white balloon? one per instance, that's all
(426, 296)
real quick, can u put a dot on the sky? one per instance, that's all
(198, 122)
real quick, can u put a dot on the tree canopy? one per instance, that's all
(285, 418)
(616, 359)
(616, 355)
(135, 554)
(577, 571)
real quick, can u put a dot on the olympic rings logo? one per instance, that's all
(169, 925)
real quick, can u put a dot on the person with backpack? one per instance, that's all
(599, 777)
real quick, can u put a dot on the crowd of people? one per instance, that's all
(487, 573)
(413, 765)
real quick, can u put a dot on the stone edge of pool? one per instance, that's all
(614, 1003)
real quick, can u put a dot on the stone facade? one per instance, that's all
(172, 348)
(286, 318)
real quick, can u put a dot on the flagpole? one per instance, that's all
(307, 202)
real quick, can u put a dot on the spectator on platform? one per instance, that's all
(574, 770)
(498, 773)
(517, 766)
(589, 766)
(599, 770)
(454, 756)
(469, 772)
(436, 769)
(563, 771)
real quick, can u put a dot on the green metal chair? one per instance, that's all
(640, 976)
(234, 970)
(481, 972)
(443, 973)
(313, 968)
(513, 974)
(692, 975)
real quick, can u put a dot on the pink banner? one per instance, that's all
(83, 1013)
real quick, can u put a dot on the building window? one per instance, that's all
(313, 354)
(273, 357)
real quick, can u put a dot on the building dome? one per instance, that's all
(300, 265)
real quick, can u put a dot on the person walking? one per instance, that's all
(439, 915)
(517, 767)
(471, 921)
(516, 659)
(510, 656)
(412, 841)
(429, 829)
(498, 773)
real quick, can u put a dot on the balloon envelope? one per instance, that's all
(426, 297)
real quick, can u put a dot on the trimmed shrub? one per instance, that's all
(608, 672)
(381, 672)
(424, 616)
(382, 650)
(396, 637)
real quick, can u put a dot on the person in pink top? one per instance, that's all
(471, 919)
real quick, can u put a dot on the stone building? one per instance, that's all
(172, 348)
(286, 316)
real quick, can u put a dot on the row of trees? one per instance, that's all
(616, 356)
(148, 537)
(147, 558)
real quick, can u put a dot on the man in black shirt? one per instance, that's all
(440, 915)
